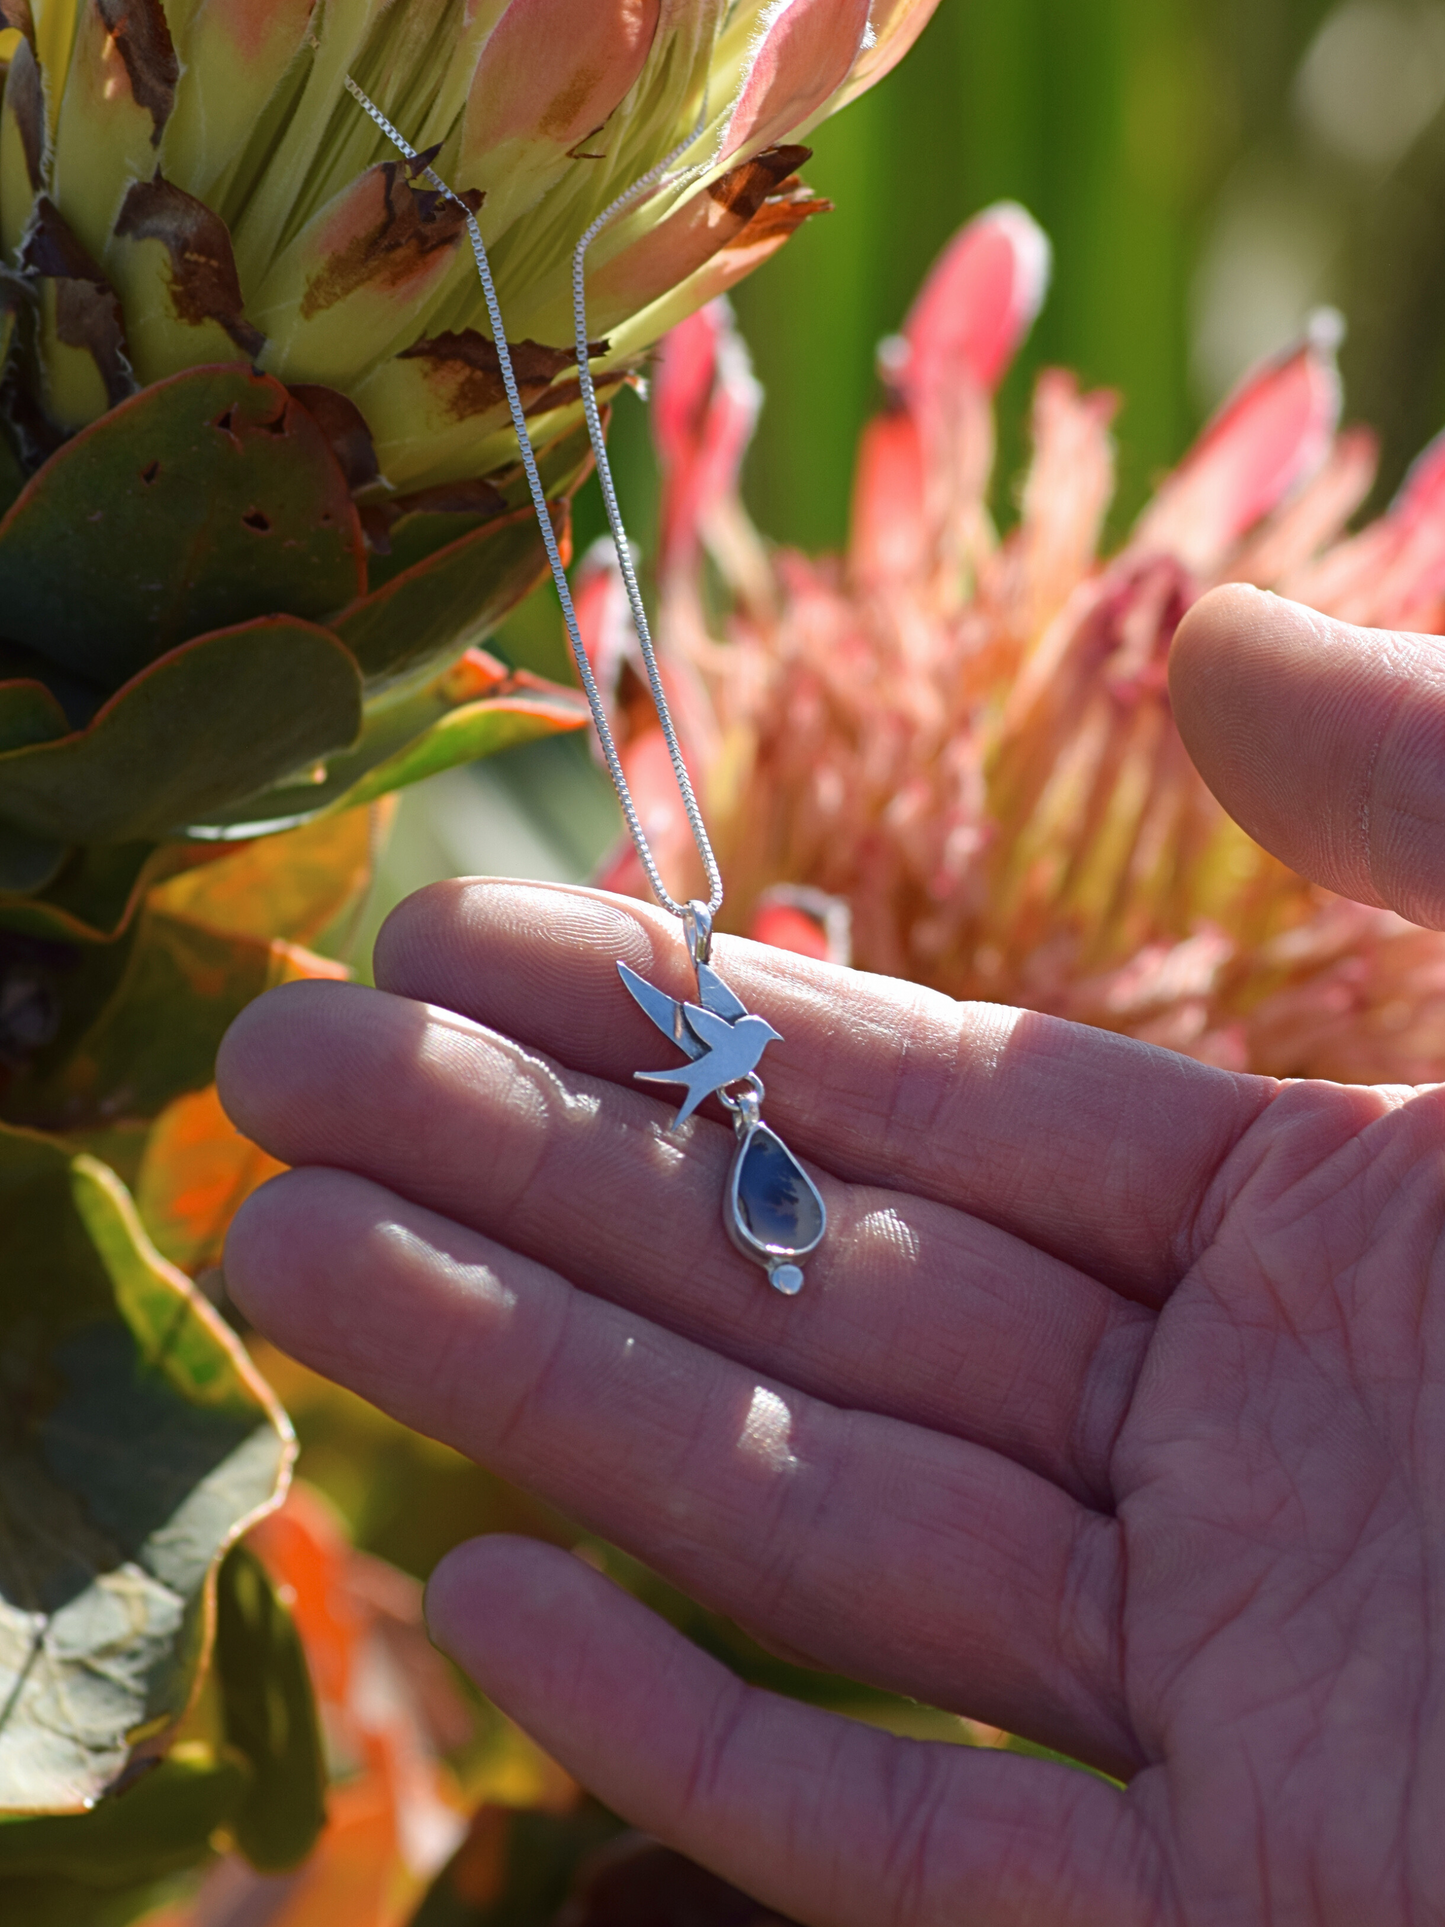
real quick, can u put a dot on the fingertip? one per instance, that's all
(491, 1597)
(1292, 719)
(260, 1248)
(1224, 644)
(418, 928)
(256, 1063)
(468, 1581)
(296, 1255)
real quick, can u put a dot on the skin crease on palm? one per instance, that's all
(1113, 1410)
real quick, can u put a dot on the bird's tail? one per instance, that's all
(691, 1101)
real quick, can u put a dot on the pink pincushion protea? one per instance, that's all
(968, 741)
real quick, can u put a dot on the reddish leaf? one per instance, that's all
(1264, 442)
(705, 402)
(804, 54)
(196, 1174)
(890, 534)
(896, 25)
(553, 71)
(978, 303)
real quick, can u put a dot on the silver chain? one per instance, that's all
(609, 497)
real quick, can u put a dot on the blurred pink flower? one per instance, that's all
(966, 743)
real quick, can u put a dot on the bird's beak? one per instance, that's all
(776, 1035)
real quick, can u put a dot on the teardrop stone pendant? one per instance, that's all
(774, 1212)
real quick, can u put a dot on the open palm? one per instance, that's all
(1113, 1412)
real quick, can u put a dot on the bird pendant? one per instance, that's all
(772, 1209)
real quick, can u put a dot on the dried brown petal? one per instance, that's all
(26, 98)
(743, 190)
(87, 313)
(16, 14)
(474, 497)
(204, 283)
(467, 362)
(412, 223)
(143, 41)
(344, 426)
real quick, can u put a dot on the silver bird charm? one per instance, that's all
(724, 1049)
(772, 1209)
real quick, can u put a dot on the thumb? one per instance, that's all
(1325, 742)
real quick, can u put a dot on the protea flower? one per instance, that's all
(292, 501)
(967, 743)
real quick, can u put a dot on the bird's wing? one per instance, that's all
(714, 993)
(712, 1029)
(664, 1011)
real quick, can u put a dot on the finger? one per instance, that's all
(1323, 741)
(881, 1550)
(910, 1309)
(826, 1820)
(1099, 1149)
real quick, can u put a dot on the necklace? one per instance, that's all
(772, 1210)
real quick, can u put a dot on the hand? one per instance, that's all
(1113, 1410)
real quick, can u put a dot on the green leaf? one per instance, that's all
(15, 293)
(466, 735)
(138, 1443)
(270, 1717)
(99, 890)
(158, 1826)
(516, 1868)
(47, 1900)
(28, 863)
(563, 467)
(212, 721)
(29, 714)
(452, 600)
(141, 1023)
(409, 737)
(204, 501)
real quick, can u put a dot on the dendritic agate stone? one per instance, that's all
(776, 1210)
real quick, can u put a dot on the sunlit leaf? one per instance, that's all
(466, 734)
(414, 735)
(293, 886)
(196, 1172)
(139, 1443)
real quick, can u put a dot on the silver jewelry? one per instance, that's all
(773, 1211)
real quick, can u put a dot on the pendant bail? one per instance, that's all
(697, 929)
